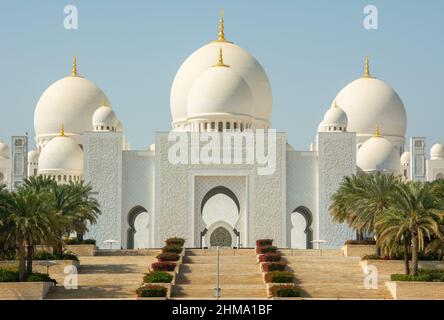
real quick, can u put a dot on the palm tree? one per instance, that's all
(28, 221)
(419, 212)
(87, 210)
(360, 199)
(393, 228)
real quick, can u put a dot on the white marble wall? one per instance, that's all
(103, 168)
(337, 158)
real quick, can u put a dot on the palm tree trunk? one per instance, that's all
(22, 260)
(406, 257)
(79, 236)
(415, 251)
(30, 254)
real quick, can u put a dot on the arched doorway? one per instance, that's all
(138, 231)
(301, 234)
(220, 209)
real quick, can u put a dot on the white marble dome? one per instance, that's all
(105, 117)
(437, 152)
(4, 150)
(244, 63)
(405, 159)
(61, 155)
(378, 154)
(33, 156)
(367, 101)
(70, 101)
(219, 91)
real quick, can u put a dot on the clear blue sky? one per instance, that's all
(309, 49)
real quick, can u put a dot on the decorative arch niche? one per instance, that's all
(132, 216)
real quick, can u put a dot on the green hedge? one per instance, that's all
(11, 275)
(74, 241)
(158, 277)
(279, 277)
(361, 242)
(168, 256)
(172, 248)
(43, 255)
(274, 266)
(270, 257)
(425, 275)
(151, 291)
(285, 291)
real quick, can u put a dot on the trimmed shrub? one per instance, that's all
(39, 277)
(279, 277)
(74, 241)
(361, 242)
(264, 242)
(43, 255)
(425, 275)
(274, 266)
(163, 266)
(371, 257)
(7, 275)
(285, 291)
(175, 241)
(168, 256)
(157, 277)
(151, 291)
(172, 248)
(266, 249)
(270, 257)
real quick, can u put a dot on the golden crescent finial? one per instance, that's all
(367, 68)
(221, 37)
(220, 62)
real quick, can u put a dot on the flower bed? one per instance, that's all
(264, 242)
(175, 242)
(168, 256)
(266, 249)
(430, 275)
(172, 248)
(273, 266)
(270, 257)
(284, 291)
(279, 277)
(158, 277)
(164, 266)
(152, 291)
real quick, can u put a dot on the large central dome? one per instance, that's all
(244, 64)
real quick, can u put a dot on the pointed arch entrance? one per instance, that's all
(138, 235)
(301, 233)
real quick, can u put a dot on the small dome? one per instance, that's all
(33, 156)
(405, 159)
(335, 119)
(105, 118)
(4, 150)
(437, 152)
(61, 154)
(321, 127)
(378, 154)
(119, 126)
(220, 91)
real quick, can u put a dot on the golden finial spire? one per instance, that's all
(335, 104)
(220, 62)
(367, 68)
(105, 103)
(62, 130)
(74, 67)
(221, 37)
(377, 131)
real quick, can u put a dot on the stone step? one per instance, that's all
(224, 268)
(127, 252)
(227, 291)
(223, 259)
(196, 278)
(311, 252)
(222, 252)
